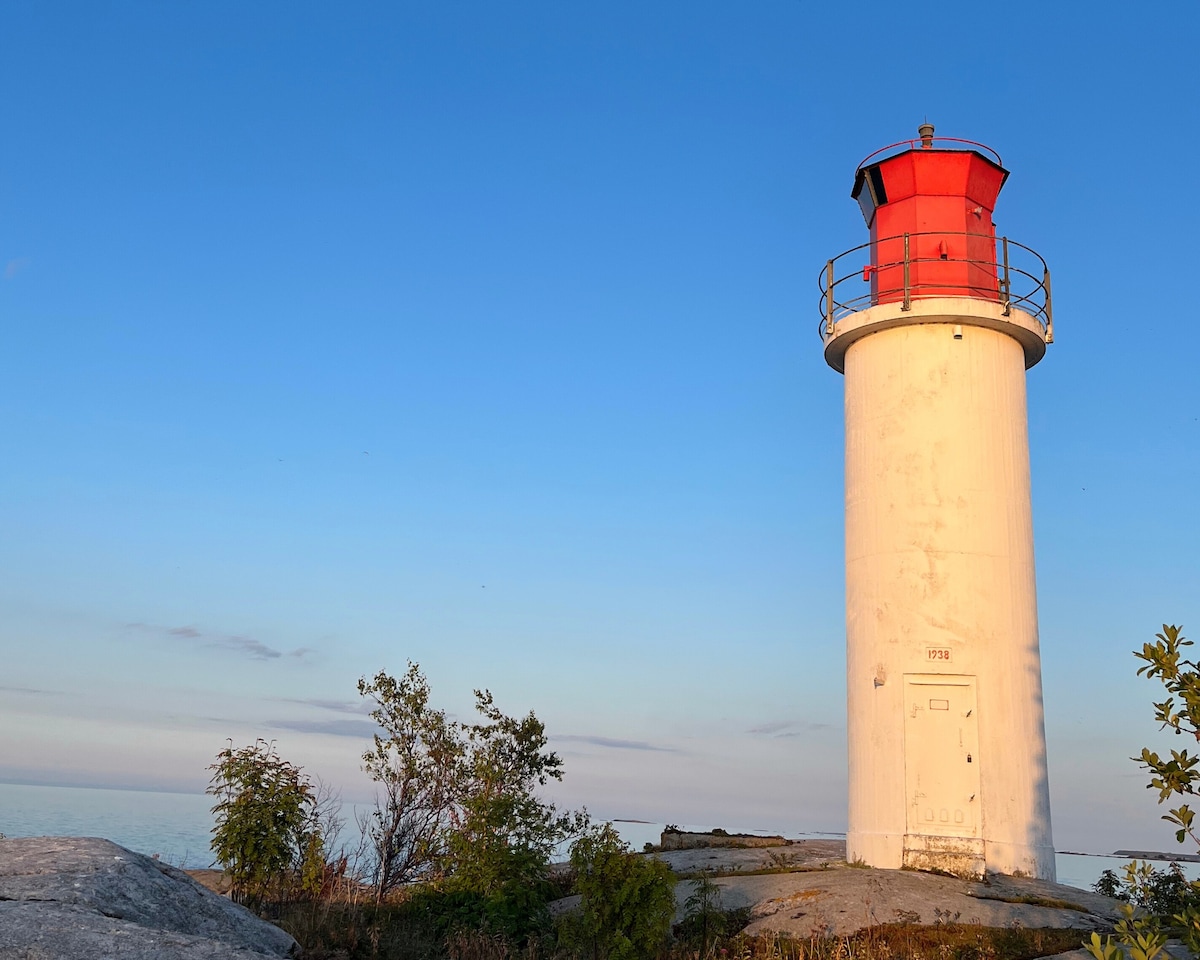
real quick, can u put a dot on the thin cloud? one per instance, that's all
(234, 642)
(13, 267)
(358, 729)
(337, 706)
(248, 645)
(780, 729)
(33, 691)
(188, 633)
(769, 728)
(613, 743)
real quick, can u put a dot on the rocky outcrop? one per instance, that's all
(807, 889)
(683, 840)
(80, 897)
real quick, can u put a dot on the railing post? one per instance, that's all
(1049, 308)
(907, 305)
(828, 299)
(1007, 280)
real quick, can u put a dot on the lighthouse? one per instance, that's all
(933, 323)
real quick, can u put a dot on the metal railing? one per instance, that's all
(1009, 264)
(932, 144)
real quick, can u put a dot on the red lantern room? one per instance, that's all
(928, 204)
(939, 203)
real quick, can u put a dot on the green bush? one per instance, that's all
(1159, 903)
(628, 901)
(705, 923)
(1161, 892)
(459, 801)
(266, 836)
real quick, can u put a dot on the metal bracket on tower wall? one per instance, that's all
(907, 305)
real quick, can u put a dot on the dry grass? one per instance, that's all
(907, 941)
(754, 872)
(395, 932)
(1033, 900)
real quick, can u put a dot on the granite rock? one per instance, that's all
(82, 897)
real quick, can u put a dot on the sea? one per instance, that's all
(177, 827)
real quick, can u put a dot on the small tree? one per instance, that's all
(1140, 929)
(416, 760)
(703, 909)
(628, 901)
(265, 834)
(503, 833)
(459, 800)
(1178, 776)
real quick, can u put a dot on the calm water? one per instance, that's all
(174, 825)
(177, 826)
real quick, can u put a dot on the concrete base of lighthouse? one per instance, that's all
(963, 857)
(947, 749)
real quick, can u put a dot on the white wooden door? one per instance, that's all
(941, 755)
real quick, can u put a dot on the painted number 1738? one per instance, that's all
(937, 654)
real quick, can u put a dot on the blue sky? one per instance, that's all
(485, 335)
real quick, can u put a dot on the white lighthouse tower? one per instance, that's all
(933, 323)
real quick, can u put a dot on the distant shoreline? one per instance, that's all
(1156, 855)
(1137, 855)
(58, 785)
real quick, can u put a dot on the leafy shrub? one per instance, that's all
(415, 757)
(1159, 903)
(1162, 892)
(265, 835)
(704, 932)
(628, 901)
(459, 801)
(703, 914)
